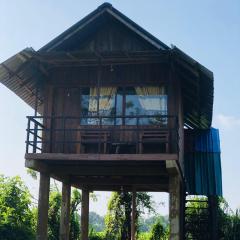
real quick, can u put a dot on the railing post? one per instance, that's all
(138, 136)
(50, 132)
(64, 133)
(35, 137)
(28, 133)
(100, 134)
(177, 134)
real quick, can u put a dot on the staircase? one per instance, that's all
(197, 224)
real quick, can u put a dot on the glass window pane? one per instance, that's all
(153, 101)
(85, 95)
(132, 107)
(119, 106)
(107, 104)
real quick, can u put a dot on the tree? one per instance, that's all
(158, 232)
(54, 211)
(145, 224)
(54, 214)
(16, 215)
(118, 218)
(76, 200)
(228, 222)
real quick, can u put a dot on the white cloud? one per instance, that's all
(226, 121)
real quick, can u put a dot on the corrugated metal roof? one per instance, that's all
(21, 76)
(202, 162)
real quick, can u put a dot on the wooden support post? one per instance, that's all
(65, 212)
(43, 203)
(174, 206)
(133, 223)
(213, 205)
(85, 214)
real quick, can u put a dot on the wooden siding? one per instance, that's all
(108, 35)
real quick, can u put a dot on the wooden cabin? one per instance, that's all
(111, 103)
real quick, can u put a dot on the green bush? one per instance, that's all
(144, 236)
(93, 235)
(158, 232)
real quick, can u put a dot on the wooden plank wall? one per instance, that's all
(62, 95)
(108, 35)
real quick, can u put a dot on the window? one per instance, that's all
(121, 105)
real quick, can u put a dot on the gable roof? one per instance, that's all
(27, 70)
(94, 18)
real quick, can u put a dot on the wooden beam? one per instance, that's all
(124, 168)
(65, 212)
(173, 167)
(136, 180)
(37, 165)
(128, 188)
(133, 221)
(104, 170)
(85, 214)
(43, 204)
(101, 157)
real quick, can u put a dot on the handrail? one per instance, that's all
(46, 137)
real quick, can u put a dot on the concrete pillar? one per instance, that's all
(85, 214)
(65, 212)
(43, 204)
(133, 222)
(174, 206)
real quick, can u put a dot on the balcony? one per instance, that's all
(105, 155)
(102, 135)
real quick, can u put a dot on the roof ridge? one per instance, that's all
(105, 5)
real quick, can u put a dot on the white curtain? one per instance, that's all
(152, 98)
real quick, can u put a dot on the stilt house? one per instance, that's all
(115, 109)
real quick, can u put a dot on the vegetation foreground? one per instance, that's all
(18, 216)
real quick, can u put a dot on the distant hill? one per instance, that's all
(146, 223)
(97, 222)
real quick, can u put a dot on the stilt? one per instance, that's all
(213, 205)
(85, 214)
(174, 206)
(65, 212)
(133, 223)
(43, 203)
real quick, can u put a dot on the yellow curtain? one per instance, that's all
(92, 108)
(106, 98)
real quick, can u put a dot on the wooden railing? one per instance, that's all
(146, 134)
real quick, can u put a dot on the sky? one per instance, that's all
(207, 30)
